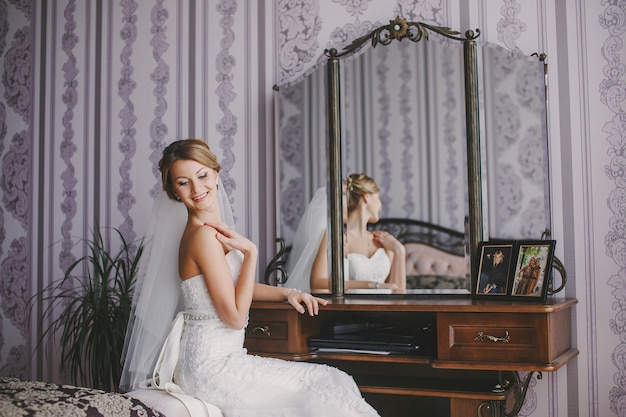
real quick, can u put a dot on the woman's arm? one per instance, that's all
(397, 275)
(319, 270)
(397, 255)
(296, 298)
(206, 247)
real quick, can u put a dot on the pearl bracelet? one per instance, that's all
(290, 291)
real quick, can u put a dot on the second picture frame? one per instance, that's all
(533, 268)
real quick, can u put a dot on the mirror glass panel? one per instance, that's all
(301, 148)
(403, 124)
(515, 143)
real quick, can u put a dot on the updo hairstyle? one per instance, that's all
(356, 186)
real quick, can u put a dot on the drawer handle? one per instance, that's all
(484, 337)
(260, 329)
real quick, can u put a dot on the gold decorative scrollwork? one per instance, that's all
(400, 29)
(265, 330)
(487, 337)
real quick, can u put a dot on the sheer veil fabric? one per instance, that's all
(158, 297)
(306, 242)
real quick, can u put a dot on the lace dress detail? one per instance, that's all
(214, 366)
(375, 268)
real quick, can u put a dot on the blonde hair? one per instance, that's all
(357, 185)
(186, 149)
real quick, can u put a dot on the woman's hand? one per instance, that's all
(385, 285)
(388, 241)
(311, 304)
(397, 254)
(233, 240)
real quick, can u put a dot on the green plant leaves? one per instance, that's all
(94, 302)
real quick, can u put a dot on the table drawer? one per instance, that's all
(499, 338)
(279, 331)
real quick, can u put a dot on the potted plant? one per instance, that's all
(94, 300)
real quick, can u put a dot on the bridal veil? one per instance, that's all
(307, 239)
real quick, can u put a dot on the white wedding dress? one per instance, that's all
(375, 268)
(213, 365)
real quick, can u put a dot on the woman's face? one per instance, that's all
(498, 257)
(195, 184)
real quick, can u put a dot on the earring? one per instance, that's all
(217, 185)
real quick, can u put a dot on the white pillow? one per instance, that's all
(168, 404)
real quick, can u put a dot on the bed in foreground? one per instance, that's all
(19, 398)
(35, 398)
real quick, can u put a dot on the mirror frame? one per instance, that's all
(399, 29)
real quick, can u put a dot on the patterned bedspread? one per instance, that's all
(34, 398)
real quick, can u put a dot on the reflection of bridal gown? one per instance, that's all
(308, 236)
(214, 366)
(375, 268)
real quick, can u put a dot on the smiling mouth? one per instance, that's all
(200, 197)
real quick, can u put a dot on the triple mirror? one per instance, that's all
(411, 114)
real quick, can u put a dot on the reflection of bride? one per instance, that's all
(373, 259)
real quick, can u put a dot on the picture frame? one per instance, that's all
(533, 268)
(494, 269)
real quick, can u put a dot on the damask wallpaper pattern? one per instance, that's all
(68, 148)
(613, 95)
(83, 118)
(92, 91)
(16, 184)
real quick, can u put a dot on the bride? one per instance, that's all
(372, 260)
(203, 355)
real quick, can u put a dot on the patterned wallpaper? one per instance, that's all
(16, 183)
(91, 91)
(612, 89)
(91, 94)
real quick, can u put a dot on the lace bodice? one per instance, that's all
(213, 365)
(205, 328)
(194, 290)
(375, 268)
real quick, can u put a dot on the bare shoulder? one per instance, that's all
(199, 240)
(200, 236)
(198, 243)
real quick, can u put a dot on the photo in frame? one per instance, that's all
(533, 266)
(494, 269)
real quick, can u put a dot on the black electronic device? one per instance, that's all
(375, 338)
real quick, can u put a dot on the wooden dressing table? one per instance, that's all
(480, 347)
